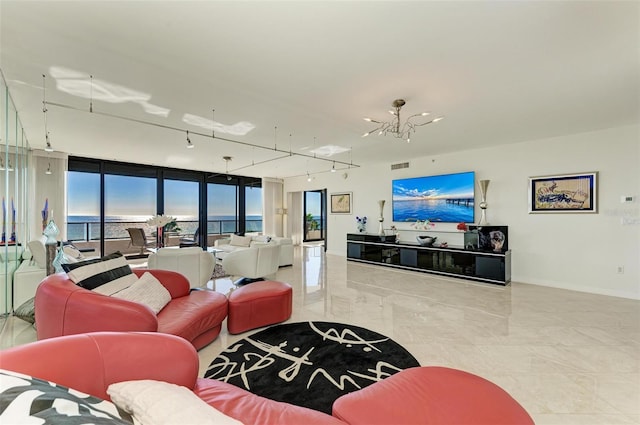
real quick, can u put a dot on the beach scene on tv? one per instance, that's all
(447, 198)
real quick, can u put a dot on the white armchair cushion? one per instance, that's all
(192, 262)
(253, 263)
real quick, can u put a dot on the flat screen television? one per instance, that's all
(446, 198)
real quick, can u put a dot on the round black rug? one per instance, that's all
(309, 364)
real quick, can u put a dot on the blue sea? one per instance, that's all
(432, 210)
(87, 227)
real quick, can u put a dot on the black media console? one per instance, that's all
(486, 266)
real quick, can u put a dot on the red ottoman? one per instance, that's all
(259, 304)
(431, 395)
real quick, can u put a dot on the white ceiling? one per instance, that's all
(500, 72)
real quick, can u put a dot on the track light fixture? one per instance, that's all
(189, 144)
(308, 177)
(2, 168)
(49, 172)
(396, 127)
(333, 168)
(227, 159)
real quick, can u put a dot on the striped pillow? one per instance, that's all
(106, 275)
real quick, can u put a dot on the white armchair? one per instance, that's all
(252, 264)
(194, 263)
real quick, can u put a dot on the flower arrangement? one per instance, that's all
(160, 220)
(462, 226)
(362, 223)
(422, 225)
(162, 223)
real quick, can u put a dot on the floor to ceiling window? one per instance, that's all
(105, 198)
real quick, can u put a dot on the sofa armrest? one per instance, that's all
(176, 283)
(91, 362)
(63, 308)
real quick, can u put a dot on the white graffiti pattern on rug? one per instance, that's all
(347, 338)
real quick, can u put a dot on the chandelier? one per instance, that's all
(396, 127)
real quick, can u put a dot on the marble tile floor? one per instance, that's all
(567, 357)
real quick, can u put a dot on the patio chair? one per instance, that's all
(193, 241)
(139, 239)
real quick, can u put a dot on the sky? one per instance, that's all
(460, 185)
(136, 196)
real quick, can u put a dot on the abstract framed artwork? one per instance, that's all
(341, 203)
(564, 193)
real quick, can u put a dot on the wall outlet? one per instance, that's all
(620, 269)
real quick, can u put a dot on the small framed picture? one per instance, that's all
(564, 193)
(341, 203)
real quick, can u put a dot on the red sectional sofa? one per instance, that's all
(91, 362)
(63, 308)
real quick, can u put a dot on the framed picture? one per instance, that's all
(341, 203)
(564, 193)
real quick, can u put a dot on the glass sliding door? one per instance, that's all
(181, 201)
(83, 210)
(314, 216)
(253, 210)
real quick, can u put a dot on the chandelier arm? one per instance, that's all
(424, 123)
(372, 131)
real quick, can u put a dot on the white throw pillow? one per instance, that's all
(148, 291)
(163, 403)
(240, 240)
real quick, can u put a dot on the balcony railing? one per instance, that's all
(90, 230)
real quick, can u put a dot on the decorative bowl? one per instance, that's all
(426, 240)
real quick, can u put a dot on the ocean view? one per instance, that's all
(87, 227)
(434, 210)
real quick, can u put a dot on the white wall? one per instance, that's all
(572, 251)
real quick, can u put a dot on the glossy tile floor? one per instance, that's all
(567, 357)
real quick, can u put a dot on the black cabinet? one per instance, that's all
(485, 266)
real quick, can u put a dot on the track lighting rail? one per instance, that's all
(288, 153)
